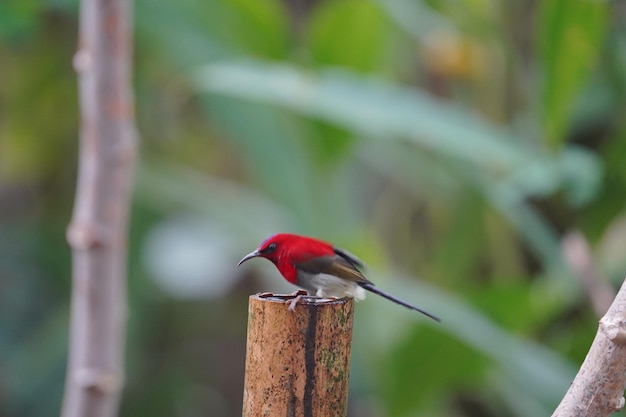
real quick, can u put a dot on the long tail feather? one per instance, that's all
(375, 290)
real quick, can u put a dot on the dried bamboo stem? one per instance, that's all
(98, 229)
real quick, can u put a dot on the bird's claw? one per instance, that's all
(290, 299)
(291, 304)
(297, 296)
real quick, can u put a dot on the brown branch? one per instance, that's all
(598, 389)
(98, 229)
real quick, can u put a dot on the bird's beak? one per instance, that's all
(251, 255)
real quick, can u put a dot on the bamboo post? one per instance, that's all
(297, 362)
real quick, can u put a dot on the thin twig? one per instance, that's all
(598, 389)
(98, 229)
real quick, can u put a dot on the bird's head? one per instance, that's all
(289, 252)
(270, 249)
(285, 247)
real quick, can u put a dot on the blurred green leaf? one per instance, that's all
(570, 33)
(194, 32)
(519, 402)
(384, 111)
(183, 32)
(19, 18)
(164, 187)
(541, 373)
(348, 33)
(262, 26)
(416, 18)
(370, 106)
(421, 370)
(328, 143)
(508, 304)
(33, 373)
(504, 196)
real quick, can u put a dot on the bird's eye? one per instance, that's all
(268, 249)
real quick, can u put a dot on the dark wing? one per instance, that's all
(356, 262)
(341, 265)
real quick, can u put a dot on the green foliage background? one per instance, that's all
(450, 144)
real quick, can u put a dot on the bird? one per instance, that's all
(320, 268)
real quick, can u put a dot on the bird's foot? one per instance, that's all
(291, 304)
(290, 299)
(298, 295)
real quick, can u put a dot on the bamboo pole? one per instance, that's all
(297, 362)
(99, 226)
